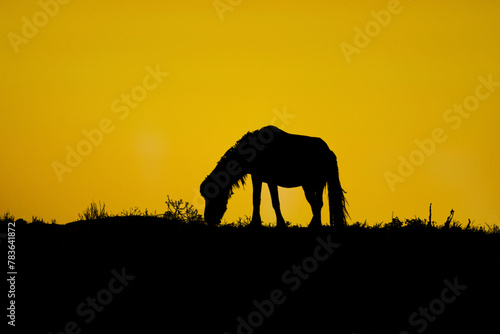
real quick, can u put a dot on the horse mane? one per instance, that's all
(232, 154)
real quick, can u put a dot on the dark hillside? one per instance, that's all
(149, 275)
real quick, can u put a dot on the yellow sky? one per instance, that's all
(152, 93)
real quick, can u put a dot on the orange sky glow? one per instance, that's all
(126, 102)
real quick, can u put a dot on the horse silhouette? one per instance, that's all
(277, 158)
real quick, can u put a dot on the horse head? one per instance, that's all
(216, 199)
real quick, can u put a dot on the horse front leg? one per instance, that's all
(257, 188)
(273, 189)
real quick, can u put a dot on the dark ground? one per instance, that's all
(179, 278)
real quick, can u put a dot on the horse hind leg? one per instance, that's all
(315, 199)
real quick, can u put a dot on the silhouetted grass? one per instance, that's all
(199, 278)
(94, 211)
(7, 217)
(177, 210)
(184, 212)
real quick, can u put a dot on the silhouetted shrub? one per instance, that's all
(182, 211)
(417, 223)
(395, 223)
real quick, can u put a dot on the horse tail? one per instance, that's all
(336, 198)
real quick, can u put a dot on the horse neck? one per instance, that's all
(229, 174)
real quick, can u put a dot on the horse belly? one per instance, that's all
(292, 161)
(290, 174)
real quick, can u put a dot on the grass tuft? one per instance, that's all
(94, 212)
